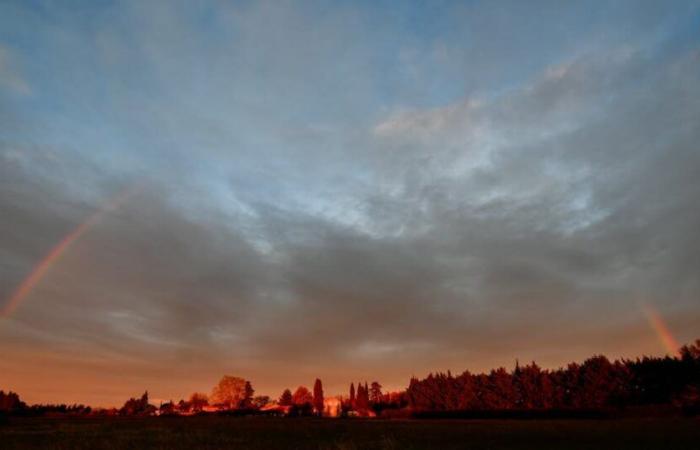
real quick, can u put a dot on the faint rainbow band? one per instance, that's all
(53, 256)
(664, 334)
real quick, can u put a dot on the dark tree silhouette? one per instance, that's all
(302, 402)
(10, 402)
(167, 409)
(248, 392)
(285, 398)
(302, 397)
(362, 399)
(318, 397)
(198, 401)
(138, 407)
(375, 393)
(596, 384)
(260, 400)
(352, 395)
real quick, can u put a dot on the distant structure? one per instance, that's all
(276, 409)
(332, 407)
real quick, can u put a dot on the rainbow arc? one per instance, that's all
(40, 270)
(659, 326)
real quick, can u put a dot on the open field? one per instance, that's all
(280, 433)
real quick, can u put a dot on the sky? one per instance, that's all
(352, 191)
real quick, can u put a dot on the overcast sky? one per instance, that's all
(344, 190)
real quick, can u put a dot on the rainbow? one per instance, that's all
(659, 326)
(42, 267)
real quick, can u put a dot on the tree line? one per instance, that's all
(595, 384)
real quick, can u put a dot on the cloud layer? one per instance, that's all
(320, 196)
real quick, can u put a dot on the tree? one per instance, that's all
(302, 402)
(375, 392)
(499, 392)
(231, 392)
(286, 398)
(691, 352)
(533, 387)
(10, 402)
(198, 401)
(362, 399)
(259, 401)
(248, 392)
(318, 397)
(302, 397)
(167, 408)
(137, 407)
(597, 383)
(352, 395)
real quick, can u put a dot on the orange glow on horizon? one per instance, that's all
(39, 271)
(664, 334)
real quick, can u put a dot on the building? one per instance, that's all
(332, 407)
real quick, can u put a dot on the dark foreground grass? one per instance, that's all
(280, 433)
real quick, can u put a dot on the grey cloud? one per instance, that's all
(456, 236)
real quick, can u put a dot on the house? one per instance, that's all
(332, 407)
(212, 408)
(274, 409)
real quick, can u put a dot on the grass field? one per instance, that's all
(280, 433)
